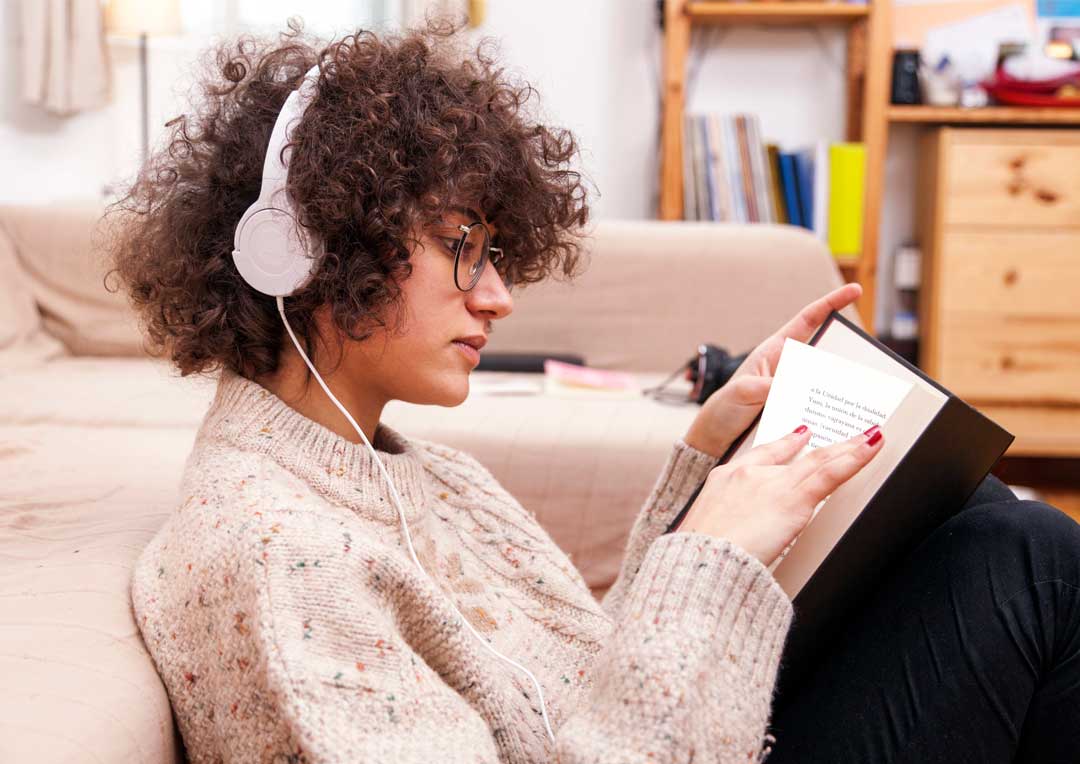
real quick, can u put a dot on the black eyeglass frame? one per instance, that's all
(488, 252)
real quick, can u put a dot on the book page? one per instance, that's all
(833, 396)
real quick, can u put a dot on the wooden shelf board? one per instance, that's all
(773, 11)
(987, 115)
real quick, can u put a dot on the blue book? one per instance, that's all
(804, 179)
(789, 186)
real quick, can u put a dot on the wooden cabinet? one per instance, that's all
(999, 223)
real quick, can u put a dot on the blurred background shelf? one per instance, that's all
(867, 82)
(775, 12)
(1007, 115)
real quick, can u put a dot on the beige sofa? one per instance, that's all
(93, 436)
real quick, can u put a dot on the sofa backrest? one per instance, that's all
(650, 292)
(653, 291)
(53, 248)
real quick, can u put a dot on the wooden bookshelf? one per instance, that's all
(797, 11)
(989, 115)
(868, 63)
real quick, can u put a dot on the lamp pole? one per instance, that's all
(145, 92)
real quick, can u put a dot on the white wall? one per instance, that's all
(595, 63)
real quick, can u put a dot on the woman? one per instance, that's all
(280, 602)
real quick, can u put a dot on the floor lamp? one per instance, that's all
(141, 19)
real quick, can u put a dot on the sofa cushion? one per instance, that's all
(583, 465)
(60, 256)
(23, 339)
(77, 505)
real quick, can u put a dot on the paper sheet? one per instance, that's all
(836, 398)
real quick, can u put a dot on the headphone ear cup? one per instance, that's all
(271, 252)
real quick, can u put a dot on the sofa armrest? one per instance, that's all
(652, 291)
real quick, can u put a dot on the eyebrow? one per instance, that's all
(476, 216)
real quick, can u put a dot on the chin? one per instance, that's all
(451, 391)
(455, 397)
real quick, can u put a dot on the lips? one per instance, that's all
(476, 341)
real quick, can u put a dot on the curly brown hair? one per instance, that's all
(402, 127)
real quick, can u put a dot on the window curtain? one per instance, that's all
(65, 66)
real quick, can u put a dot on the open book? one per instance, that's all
(937, 450)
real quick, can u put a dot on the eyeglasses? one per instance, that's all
(471, 254)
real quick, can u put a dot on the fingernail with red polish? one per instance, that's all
(800, 429)
(873, 439)
(872, 430)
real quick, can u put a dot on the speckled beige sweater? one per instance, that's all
(289, 623)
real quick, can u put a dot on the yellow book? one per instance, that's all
(847, 185)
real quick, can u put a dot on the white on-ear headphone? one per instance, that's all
(271, 249)
(276, 256)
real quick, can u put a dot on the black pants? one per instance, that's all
(969, 653)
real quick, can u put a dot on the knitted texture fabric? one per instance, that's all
(289, 623)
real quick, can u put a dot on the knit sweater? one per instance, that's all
(289, 623)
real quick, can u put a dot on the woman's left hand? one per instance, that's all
(732, 408)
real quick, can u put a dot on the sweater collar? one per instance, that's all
(252, 418)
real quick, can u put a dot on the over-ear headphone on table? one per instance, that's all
(275, 255)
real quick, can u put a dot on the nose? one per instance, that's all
(490, 294)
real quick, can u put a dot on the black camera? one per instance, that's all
(711, 370)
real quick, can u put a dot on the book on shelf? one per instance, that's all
(731, 174)
(776, 185)
(937, 450)
(847, 173)
(791, 189)
(726, 170)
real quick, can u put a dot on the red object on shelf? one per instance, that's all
(1016, 92)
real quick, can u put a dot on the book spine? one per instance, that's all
(791, 188)
(759, 158)
(700, 171)
(689, 179)
(709, 168)
(776, 186)
(731, 145)
(746, 168)
(804, 168)
(720, 174)
(847, 163)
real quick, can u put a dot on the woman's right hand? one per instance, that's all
(762, 500)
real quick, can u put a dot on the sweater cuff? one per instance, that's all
(708, 588)
(685, 469)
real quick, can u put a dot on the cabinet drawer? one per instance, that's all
(1009, 358)
(1031, 274)
(1011, 177)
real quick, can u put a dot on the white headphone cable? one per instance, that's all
(404, 524)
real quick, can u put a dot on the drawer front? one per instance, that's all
(1011, 178)
(1010, 359)
(1039, 430)
(1032, 274)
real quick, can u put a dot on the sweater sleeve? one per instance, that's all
(686, 468)
(688, 672)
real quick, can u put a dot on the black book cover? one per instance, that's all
(931, 482)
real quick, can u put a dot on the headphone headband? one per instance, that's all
(276, 167)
